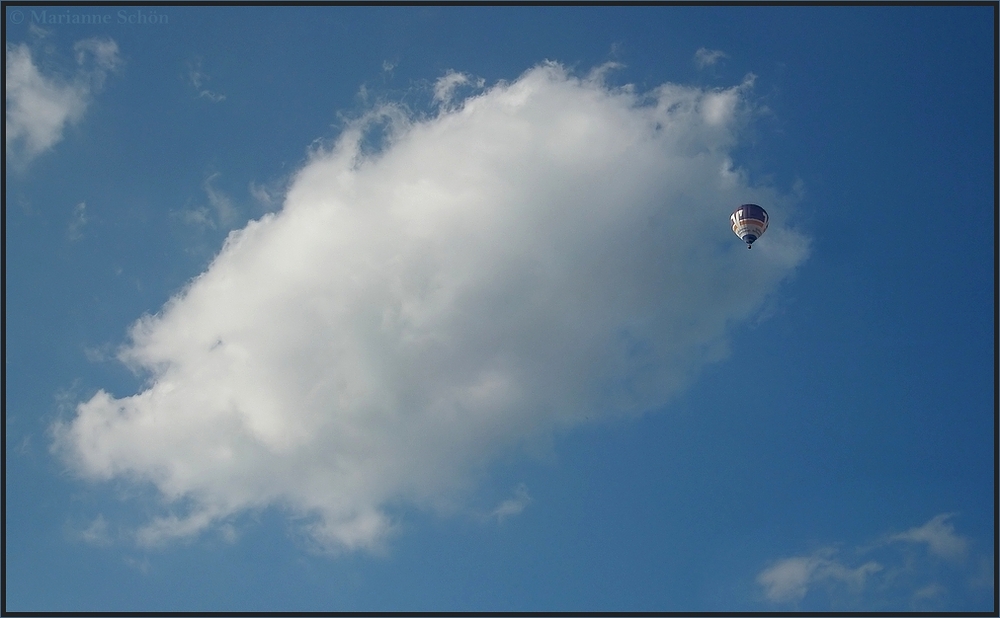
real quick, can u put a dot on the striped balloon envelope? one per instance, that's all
(749, 222)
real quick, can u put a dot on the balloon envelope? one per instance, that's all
(749, 222)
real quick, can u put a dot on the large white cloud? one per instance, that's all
(550, 250)
(38, 107)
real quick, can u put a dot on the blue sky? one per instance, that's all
(438, 308)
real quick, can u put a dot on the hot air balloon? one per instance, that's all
(749, 222)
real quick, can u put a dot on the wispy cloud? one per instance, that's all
(791, 578)
(79, 219)
(705, 57)
(446, 86)
(219, 213)
(267, 196)
(100, 56)
(939, 536)
(96, 533)
(199, 79)
(513, 505)
(142, 565)
(225, 213)
(38, 106)
(549, 251)
(883, 575)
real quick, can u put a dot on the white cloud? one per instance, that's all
(446, 86)
(705, 57)
(514, 505)
(39, 107)
(220, 213)
(930, 591)
(939, 535)
(102, 54)
(79, 220)
(197, 217)
(214, 97)
(143, 566)
(900, 579)
(267, 196)
(548, 251)
(790, 579)
(720, 107)
(198, 79)
(225, 212)
(97, 532)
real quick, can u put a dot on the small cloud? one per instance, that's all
(24, 447)
(197, 217)
(103, 53)
(38, 106)
(220, 213)
(225, 213)
(262, 195)
(445, 86)
(96, 533)
(512, 506)
(600, 72)
(65, 398)
(211, 96)
(789, 580)
(931, 591)
(142, 565)
(198, 79)
(940, 537)
(900, 577)
(268, 196)
(78, 221)
(721, 107)
(37, 31)
(104, 352)
(163, 529)
(705, 57)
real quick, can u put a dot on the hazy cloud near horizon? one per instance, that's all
(550, 250)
